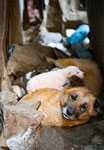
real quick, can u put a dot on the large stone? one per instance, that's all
(28, 57)
(21, 126)
(24, 141)
(18, 118)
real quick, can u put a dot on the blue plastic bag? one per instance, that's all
(81, 33)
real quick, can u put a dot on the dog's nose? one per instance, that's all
(70, 111)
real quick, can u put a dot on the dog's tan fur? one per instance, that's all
(93, 78)
(51, 102)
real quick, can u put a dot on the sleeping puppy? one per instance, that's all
(69, 107)
(92, 75)
(56, 79)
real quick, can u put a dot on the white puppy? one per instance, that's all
(53, 79)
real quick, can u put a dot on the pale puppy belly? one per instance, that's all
(55, 81)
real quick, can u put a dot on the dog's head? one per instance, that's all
(77, 104)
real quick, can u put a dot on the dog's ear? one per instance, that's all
(91, 110)
(93, 113)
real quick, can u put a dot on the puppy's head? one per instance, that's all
(75, 71)
(77, 104)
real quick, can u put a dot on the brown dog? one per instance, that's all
(92, 74)
(70, 107)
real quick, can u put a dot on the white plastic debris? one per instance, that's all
(54, 40)
(60, 47)
(50, 37)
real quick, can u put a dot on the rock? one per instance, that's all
(28, 57)
(8, 97)
(24, 141)
(18, 118)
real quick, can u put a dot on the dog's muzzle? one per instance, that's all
(68, 112)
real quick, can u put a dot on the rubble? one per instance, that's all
(21, 125)
(24, 141)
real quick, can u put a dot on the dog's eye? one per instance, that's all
(74, 97)
(83, 107)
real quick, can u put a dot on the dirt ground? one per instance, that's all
(86, 137)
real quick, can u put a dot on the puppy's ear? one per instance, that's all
(76, 81)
